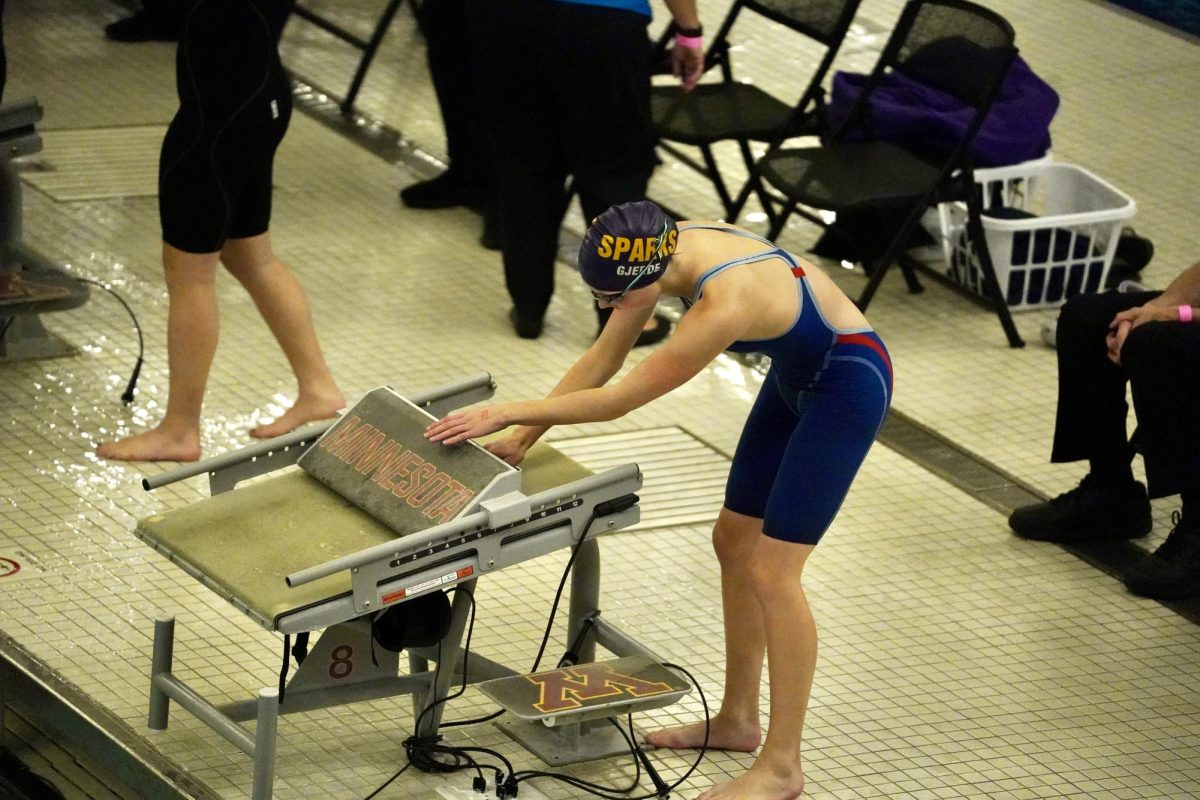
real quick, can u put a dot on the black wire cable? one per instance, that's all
(463, 686)
(549, 622)
(466, 656)
(476, 721)
(422, 751)
(387, 782)
(595, 789)
(588, 786)
(562, 582)
(127, 395)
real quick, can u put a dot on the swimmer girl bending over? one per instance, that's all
(818, 412)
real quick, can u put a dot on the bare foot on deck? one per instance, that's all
(156, 444)
(306, 409)
(760, 782)
(722, 735)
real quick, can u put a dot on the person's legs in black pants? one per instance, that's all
(1163, 363)
(605, 99)
(1162, 360)
(567, 93)
(453, 71)
(525, 149)
(532, 202)
(1092, 410)
(1090, 425)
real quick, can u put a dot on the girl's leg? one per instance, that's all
(736, 535)
(191, 342)
(281, 300)
(791, 635)
(736, 724)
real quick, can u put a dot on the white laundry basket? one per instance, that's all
(1064, 249)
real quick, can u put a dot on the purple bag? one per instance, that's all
(907, 112)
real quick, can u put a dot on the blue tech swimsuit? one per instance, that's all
(815, 418)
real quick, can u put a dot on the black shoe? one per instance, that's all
(649, 336)
(1172, 572)
(152, 24)
(490, 238)
(445, 191)
(1087, 512)
(526, 327)
(1133, 252)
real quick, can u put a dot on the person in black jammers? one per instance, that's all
(214, 198)
(1150, 341)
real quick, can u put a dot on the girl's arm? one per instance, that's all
(703, 334)
(594, 368)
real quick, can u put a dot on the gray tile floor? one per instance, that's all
(956, 660)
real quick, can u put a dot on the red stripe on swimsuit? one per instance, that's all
(868, 341)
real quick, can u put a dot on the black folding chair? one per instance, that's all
(743, 112)
(954, 46)
(368, 47)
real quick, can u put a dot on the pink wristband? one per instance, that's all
(689, 41)
(1185, 313)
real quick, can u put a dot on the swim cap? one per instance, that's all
(627, 243)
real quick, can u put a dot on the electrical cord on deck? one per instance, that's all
(428, 754)
(127, 395)
(423, 751)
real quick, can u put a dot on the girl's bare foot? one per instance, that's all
(722, 735)
(760, 783)
(156, 444)
(307, 408)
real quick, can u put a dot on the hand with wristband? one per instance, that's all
(687, 56)
(1164, 308)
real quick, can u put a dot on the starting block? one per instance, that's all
(30, 284)
(376, 517)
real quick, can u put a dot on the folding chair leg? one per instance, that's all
(879, 269)
(714, 175)
(990, 282)
(780, 219)
(752, 183)
(910, 277)
(892, 255)
(740, 201)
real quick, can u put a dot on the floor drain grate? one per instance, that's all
(98, 163)
(683, 478)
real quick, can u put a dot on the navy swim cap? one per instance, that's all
(627, 244)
